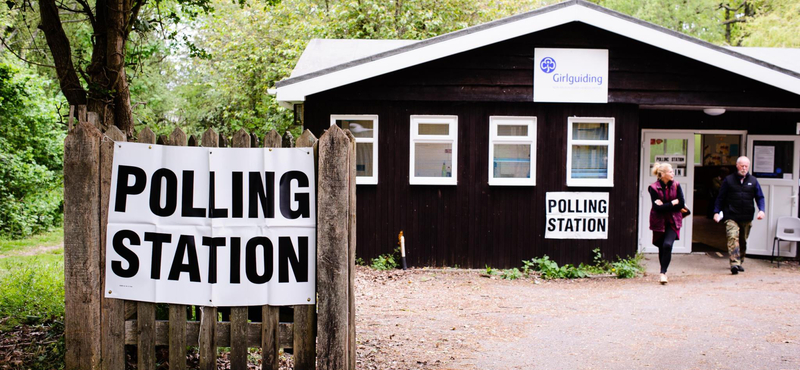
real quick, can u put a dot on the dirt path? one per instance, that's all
(703, 319)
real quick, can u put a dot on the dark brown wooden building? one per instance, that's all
(491, 145)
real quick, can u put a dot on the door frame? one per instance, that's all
(767, 185)
(643, 227)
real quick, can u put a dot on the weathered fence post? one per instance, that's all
(81, 246)
(207, 341)
(241, 139)
(270, 315)
(334, 202)
(304, 345)
(113, 310)
(177, 312)
(146, 311)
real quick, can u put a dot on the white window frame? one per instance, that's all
(450, 138)
(364, 180)
(494, 123)
(607, 182)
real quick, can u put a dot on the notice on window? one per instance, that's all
(211, 226)
(574, 215)
(764, 159)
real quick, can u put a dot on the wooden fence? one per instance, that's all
(97, 329)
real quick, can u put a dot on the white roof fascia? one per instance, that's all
(297, 92)
(632, 28)
(734, 63)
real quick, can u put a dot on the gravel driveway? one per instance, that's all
(705, 318)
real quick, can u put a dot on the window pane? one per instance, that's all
(512, 161)
(507, 130)
(670, 150)
(589, 162)
(433, 160)
(364, 159)
(772, 159)
(434, 129)
(359, 128)
(589, 131)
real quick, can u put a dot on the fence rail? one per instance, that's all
(87, 176)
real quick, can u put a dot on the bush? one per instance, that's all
(31, 155)
(384, 262)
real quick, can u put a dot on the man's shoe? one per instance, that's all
(663, 279)
(734, 270)
(740, 268)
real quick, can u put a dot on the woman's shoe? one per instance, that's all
(663, 279)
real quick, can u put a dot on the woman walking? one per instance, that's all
(665, 216)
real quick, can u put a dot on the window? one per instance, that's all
(365, 130)
(434, 150)
(512, 150)
(590, 151)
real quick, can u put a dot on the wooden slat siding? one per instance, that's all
(270, 315)
(351, 255)
(501, 225)
(146, 332)
(113, 310)
(304, 346)
(287, 141)
(269, 338)
(207, 341)
(223, 333)
(147, 136)
(146, 311)
(272, 139)
(177, 312)
(81, 247)
(332, 244)
(238, 356)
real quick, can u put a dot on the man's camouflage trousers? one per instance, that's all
(737, 233)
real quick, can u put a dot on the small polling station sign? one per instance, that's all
(576, 215)
(211, 226)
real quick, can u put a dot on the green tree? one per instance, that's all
(776, 24)
(31, 151)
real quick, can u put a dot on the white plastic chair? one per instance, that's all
(788, 230)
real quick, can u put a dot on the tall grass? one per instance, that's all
(31, 289)
(31, 284)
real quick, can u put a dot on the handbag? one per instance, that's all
(685, 212)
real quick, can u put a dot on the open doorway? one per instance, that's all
(700, 159)
(718, 152)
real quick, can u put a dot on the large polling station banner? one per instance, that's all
(211, 226)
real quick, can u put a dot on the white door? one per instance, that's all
(678, 149)
(774, 162)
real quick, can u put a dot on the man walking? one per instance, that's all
(735, 200)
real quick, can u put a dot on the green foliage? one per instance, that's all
(549, 269)
(31, 151)
(31, 291)
(777, 24)
(628, 267)
(511, 274)
(490, 271)
(384, 262)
